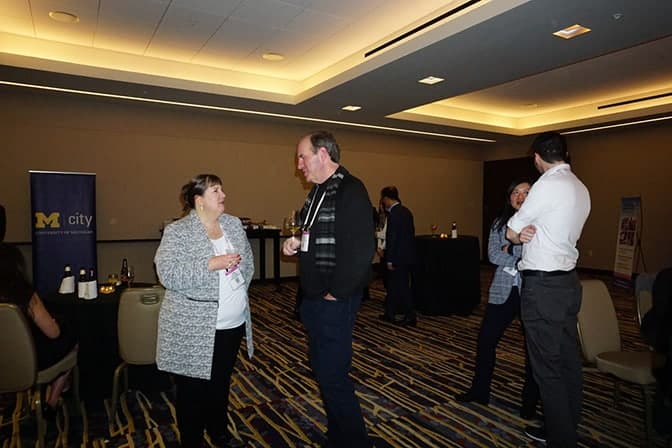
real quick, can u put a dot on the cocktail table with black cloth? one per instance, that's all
(447, 277)
(95, 323)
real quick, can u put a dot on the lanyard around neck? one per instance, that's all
(309, 222)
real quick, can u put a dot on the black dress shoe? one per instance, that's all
(469, 397)
(537, 433)
(408, 322)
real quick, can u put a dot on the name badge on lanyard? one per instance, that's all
(305, 235)
(305, 240)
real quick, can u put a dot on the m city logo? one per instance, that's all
(53, 220)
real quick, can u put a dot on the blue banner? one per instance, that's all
(63, 207)
(627, 239)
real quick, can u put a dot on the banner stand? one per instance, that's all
(63, 217)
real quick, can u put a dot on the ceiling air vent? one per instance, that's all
(419, 28)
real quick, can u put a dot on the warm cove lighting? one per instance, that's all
(243, 111)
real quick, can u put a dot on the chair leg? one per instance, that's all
(115, 390)
(41, 424)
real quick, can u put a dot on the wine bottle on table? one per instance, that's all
(123, 276)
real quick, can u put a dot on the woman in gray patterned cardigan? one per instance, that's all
(205, 263)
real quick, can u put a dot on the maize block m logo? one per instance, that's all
(42, 220)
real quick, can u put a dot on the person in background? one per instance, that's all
(399, 257)
(335, 253)
(549, 223)
(52, 341)
(205, 263)
(503, 306)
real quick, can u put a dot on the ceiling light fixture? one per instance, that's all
(431, 80)
(618, 125)
(244, 111)
(64, 17)
(351, 108)
(572, 31)
(273, 56)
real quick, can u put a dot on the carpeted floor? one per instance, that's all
(405, 377)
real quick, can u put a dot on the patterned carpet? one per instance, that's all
(405, 377)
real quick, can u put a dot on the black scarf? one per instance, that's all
(324, 226)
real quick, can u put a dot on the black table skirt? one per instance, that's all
(447, 277)
(94, 322)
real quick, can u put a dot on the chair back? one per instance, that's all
(137, 324)
(18, 361)
(597, 322)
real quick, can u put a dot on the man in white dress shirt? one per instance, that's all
(549, 223)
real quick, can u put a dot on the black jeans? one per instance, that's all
(549, 305)
(496, 320)
(204, 404)
(329, 326)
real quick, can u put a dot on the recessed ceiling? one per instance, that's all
(504, 71)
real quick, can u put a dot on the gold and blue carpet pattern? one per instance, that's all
(406, 379)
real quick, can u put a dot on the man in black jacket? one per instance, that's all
(335, 252)
(400, 257)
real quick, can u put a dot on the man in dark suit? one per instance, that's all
(399, 256)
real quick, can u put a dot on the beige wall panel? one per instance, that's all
(143, 154)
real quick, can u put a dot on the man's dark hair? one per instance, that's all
(390, 192)
(326, 139)
(551, 147)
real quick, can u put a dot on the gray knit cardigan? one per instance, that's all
(188, 315)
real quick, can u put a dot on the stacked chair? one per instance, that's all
(19, 374)
(137, 331)
(600, 340)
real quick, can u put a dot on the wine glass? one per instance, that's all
(434, 228)
(293, 223)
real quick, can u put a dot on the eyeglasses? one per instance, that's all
(519, 192)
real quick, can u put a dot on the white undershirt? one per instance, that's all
(232, 302)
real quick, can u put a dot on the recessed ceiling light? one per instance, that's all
(431, 80)
(572, 31)
(351, 108)
(64, 17)
(273, 56)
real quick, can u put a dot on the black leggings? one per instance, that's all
(204, 404)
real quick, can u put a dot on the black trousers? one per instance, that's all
(399, 296)
(549, 305)
(204, 404)
(496, 320)
(329, 325)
